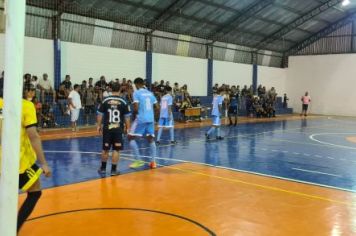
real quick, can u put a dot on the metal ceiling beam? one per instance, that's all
(322, 33)
(166, 14)
(300, 13)
(240, 18)
(297, 22)
(236, 11)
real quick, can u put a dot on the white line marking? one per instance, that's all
(312, 137)
(232, 169)
(318, 156)
(317, 172)
(306, 154)
(296, 153)
(331, 158)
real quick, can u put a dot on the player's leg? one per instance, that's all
(117, 146)
(105, 151)
(150, 138)
(229, 115)
(136, 131)
(218, 131)
(212, 128)
(160, 130)
(29, 182)
(171, 131)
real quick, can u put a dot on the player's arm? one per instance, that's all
(99, 118)
(37, 147)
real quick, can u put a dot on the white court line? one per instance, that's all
(226, 168)
(312, 137)
(316, 172)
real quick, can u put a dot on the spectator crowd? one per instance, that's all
(93, 92)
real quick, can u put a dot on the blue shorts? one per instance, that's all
(166, 122)
(142, 129)
(216, 120)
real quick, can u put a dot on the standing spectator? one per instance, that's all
(90, 82)
(89, 98)
(306, 100)
(67, 84)
(62, 96)
(161, 87)
(46, 89)
(75, 105)
(27, 79)
(285, 101)
(100, 87)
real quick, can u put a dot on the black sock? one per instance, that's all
(103, 165)
(27, 207)
(113, 167)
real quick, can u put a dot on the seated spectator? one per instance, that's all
(46, 89)
(47, 117)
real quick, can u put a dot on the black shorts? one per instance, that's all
(232, 110)
(112, 137)
(90, 109)
(305, 107)
(29, 177)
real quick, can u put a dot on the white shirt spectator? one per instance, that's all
(45, 84)
(106, 94)
(74, 95)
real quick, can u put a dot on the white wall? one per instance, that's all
(330, 80)
(273, 77)
(38, 56)
(183, 70)
(232, 73)
(84, 61)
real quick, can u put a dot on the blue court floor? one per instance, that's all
(313, 150)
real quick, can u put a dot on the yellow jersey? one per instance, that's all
(28, 119)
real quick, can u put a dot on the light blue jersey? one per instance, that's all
(166, 101)
(145, 100)
(217, 100)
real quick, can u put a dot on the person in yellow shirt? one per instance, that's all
(30, 151)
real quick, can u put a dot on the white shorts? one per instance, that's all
(74, 115)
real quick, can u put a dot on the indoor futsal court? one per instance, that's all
(178, 117)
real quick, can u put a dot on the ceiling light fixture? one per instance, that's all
(345, 2)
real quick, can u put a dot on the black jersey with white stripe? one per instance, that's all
(114, 109)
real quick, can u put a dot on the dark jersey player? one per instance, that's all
(112, 114)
